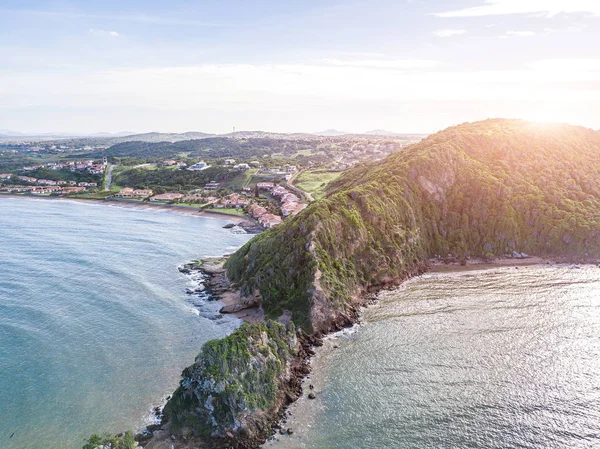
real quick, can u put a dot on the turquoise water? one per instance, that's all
(95, 324)
(500, 358)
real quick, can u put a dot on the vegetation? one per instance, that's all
(315, 181)
(481, 189)
(231, 377)
(168, 178)
(124, 441)
(62, 175)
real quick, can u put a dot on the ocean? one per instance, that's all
(494, 358)
(95, 322)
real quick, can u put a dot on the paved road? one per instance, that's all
(108, 178)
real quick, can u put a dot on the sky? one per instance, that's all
(295, 65)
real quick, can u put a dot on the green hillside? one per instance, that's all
(481, 189)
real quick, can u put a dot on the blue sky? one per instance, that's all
(403, 65)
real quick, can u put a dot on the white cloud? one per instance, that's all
(449, 32)
(294, 96)
(544, 7)
(401, 64)
(97, 32)
(521, 33)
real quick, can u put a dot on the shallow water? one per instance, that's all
(95, 325)
(498, 358)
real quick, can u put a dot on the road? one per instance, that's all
(108, 178)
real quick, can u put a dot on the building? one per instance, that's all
(198, 166)
(265, 185)
(128, 192)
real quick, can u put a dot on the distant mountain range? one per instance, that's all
(155, 137)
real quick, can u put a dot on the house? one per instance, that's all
(126, 192)
(28, 179)
(229, 161)
(5, 176)
(235, 200)
(198, 166)
(167, 197)
(142, 193)
(169, 163)
(241, 167)
(265, 185)
(269, 220)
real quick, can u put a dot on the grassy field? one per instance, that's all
(315, 181)
(228, 211)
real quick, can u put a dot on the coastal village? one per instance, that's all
(12, 183)
(267, 202)
(254, 200)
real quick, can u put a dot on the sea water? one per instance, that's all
(95, 322)
(495, 358)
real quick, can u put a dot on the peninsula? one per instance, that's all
(496, 188)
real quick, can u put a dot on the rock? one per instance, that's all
(515, 254)
(290, 431)
(144, 436)
(524, 255)
(312, 396)
(311, 386)
(229, 226)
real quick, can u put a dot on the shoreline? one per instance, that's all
(141, 205)
(319, 345)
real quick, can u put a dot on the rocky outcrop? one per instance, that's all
(238, 387)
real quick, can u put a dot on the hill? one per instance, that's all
(482, 189)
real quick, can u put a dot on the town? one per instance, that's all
(273, 176)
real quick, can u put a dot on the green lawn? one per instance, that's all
(315, 181)
(228, 211)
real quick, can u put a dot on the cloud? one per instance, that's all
(296, 96)
(97, 32)
(449, 32)
(521, 33)
(135, 18)
(400, 64)
(547, 8)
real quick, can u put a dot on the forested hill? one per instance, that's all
(479, 189)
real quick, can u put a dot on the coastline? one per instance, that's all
(139, 205)
(317, 347)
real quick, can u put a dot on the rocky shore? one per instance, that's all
(253, 427)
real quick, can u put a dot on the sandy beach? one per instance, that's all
(140, 205)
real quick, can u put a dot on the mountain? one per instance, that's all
(381, 132)
(330, 133)
(483, 189)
